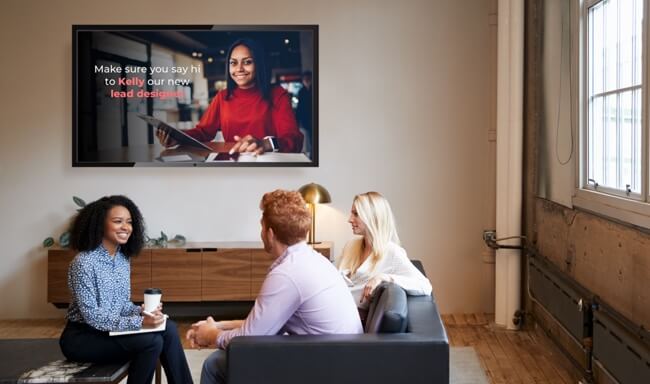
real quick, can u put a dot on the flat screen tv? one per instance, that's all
(195, 95)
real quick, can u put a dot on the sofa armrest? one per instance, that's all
(424, 318)
(341, 359)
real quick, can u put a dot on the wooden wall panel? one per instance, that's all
(178, 273)
(261, 263)
(226, 275)
(58, 261)
(140, 275)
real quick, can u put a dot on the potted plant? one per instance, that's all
(162, 241)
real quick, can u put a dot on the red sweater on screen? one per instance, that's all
(246, 113)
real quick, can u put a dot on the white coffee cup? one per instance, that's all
(152, 299)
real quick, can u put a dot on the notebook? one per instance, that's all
(159, 328)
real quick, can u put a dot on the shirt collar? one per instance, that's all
(290, 249)
(104, 252)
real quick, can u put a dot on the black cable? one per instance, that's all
(559, 96)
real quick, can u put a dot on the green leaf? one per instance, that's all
(163, 236)
(64, 239)
(161, 242)
(79, 201)
(48, 242)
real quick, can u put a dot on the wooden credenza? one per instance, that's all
(195, 272)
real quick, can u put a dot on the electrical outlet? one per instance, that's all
(489, 235)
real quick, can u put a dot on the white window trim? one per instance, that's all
(634, 210)
(626, 210)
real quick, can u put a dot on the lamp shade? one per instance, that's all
(315, 194)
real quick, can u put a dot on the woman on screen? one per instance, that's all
(107, 233)
(250, 112)
(376, 256)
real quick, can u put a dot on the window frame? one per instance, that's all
(635, 207)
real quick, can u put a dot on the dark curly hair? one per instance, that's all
(87, 230)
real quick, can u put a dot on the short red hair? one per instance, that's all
(287, 214)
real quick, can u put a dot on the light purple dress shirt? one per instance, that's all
(303, 293)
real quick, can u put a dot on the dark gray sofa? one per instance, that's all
(418, 355)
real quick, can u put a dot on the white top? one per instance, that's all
(395, 263)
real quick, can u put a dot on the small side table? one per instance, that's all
(22, 355)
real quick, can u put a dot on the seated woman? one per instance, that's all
(107, 233)
(376, 256)
(251, 112)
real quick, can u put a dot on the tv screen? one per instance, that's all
(195, 95)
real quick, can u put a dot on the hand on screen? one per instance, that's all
(248, 144)
(165, 139)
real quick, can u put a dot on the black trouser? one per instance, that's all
(83, 343)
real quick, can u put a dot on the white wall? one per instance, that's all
(403, 110)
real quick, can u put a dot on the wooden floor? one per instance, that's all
(507, 356)
(527, 356)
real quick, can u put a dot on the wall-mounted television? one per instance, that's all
(195, 95)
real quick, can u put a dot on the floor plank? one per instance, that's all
(460, 319)
(482, 318)
(513, 356)
(448, 319)
(526, 356)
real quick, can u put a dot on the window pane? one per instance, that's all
(636, 137)
(625, 161)
(596, 164)
(611, 141)
(610, 26)
(161, 57)
(625, 57)
(110, 43)
(615, 68)
(638, 38)
(596, 48)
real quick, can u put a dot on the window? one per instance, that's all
(614, 161)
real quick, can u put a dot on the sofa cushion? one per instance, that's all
(388, 310)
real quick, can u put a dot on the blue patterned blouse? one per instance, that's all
(101, 291)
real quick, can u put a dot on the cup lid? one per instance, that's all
(153, 291)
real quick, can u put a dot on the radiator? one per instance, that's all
(565, 300)
(622, 348)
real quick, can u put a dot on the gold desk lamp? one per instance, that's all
(314, 194)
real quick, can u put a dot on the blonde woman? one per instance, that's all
(376, 256)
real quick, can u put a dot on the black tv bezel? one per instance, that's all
(195, 27)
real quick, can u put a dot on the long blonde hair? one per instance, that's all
(374, 210)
